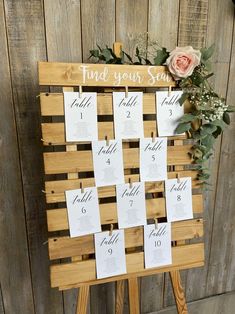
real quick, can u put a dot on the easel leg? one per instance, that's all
(82, 300)
(133, 295)
(120, 296)
(178, 292)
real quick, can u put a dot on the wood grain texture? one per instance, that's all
(78, 74)
(208, 276)
(193, 19)
(159, 13)
(64, 246)
(220, 304)
(178, 292)
(98, 25)
(120, 290)
(223, 199)
(133, 288)
(131, 21)
(64, 46)
(26, 44)
(163, 14)
(14, 257)
(63, 30)
(2, 310)
(185, 256)
(82, 300)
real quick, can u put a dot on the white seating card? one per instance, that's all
(179, 199)
(157, 245)
(80, 116)
(83, 211)
(128, 115)
(110, 254)
(108, 162)
(169, 112)
(131, 205)
(153, 159)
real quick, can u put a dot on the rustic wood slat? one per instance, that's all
(72, 74)
(65, 162)
(57, 218)
(55, 190)
(54, 133)
(52, 104)
(76, 273)
(61, 247)
(178, 292)
(133, 288)
(16, 291)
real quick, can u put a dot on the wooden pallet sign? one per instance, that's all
(68, 166)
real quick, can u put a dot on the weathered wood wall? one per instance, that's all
(55, 30)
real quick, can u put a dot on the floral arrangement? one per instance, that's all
(191, 69)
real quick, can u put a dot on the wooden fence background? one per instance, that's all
(57, 30)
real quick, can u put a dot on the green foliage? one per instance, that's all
(209, 109)
(161, 56)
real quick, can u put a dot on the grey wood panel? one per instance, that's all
(2, 311)
(131, 21)
(63, 40)
(217, 11)
(164, 14)
(98, 24)
(63, 30)
(26, 40)
(220, 304)
(14, 258)
(229, 140)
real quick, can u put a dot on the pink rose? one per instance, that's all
(182, 61)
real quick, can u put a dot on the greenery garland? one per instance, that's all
(210, 113)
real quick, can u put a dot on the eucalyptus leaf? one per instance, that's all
(183, 127)
(187, 117)
(183, 97)
(219, 123)
(226, 118)
(207, 52)
(161, 57)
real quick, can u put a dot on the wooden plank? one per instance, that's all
(83, 300)
(165, 33)
(163, 14)
(58, 220)
(52, 104)
(212, 275)
(97, 25)
(131, 21)
(16, 294)
(81, 74)
(65, 162)
(61, 247)
(193, 23)
(192, 31)
(228, 142)
(55, 190)
(217, 304)
(120, 290)
(2, 310)
(26, 44)
(63, 46)
(80, 272)
(178, 292)
(133, 288)
(54, 133)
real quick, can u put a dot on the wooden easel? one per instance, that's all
(75, 160)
